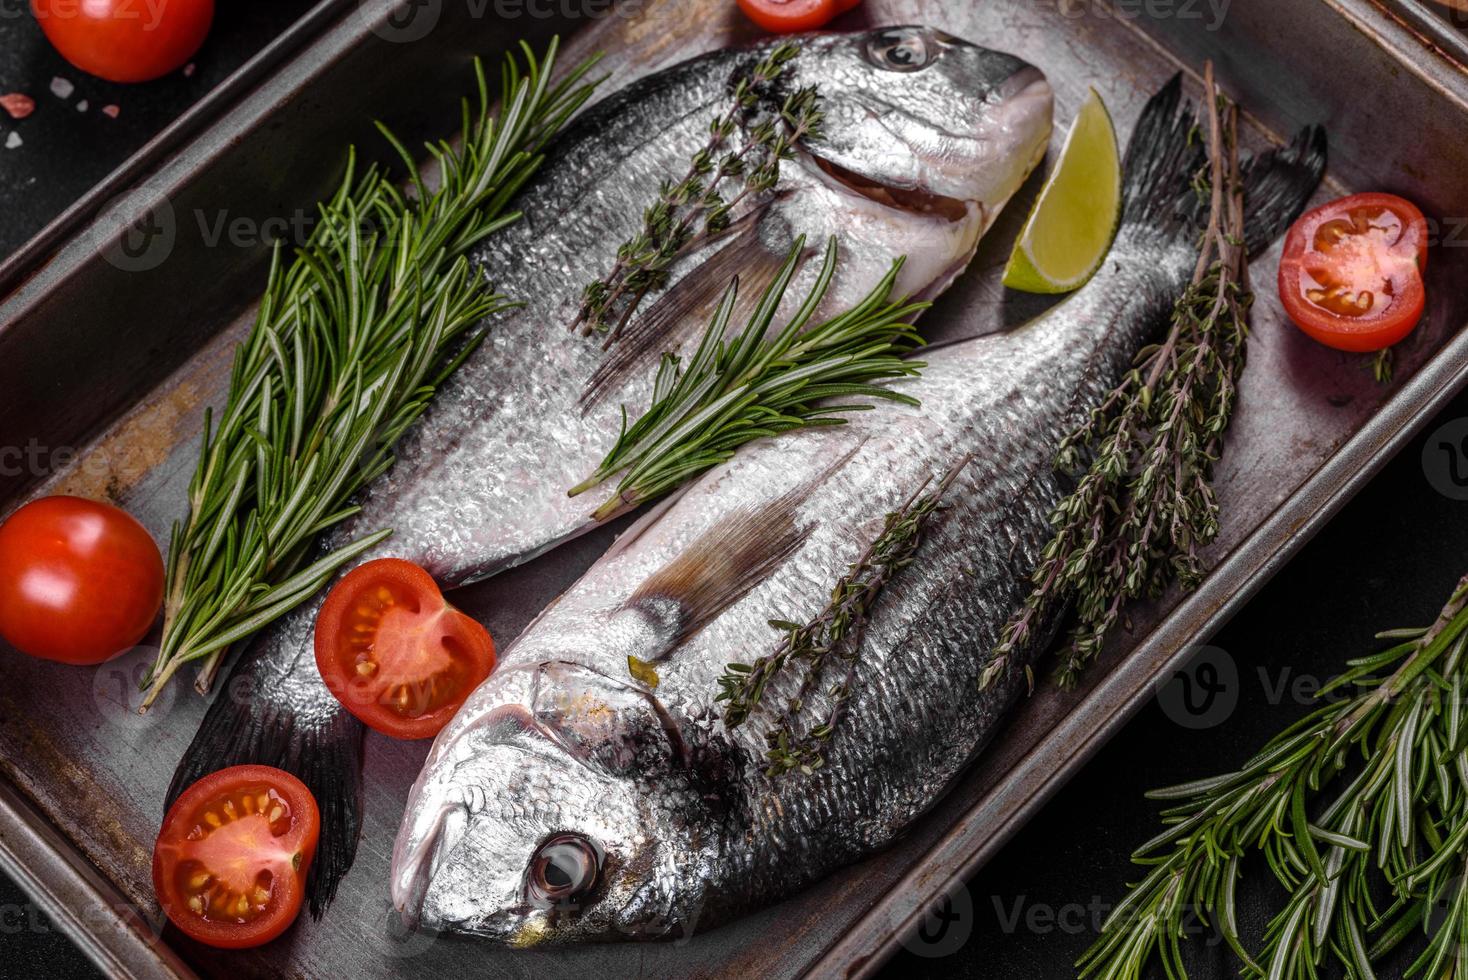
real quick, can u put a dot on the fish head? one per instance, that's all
(559, 810)
(925, 121)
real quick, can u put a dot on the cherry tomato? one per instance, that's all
(395, 653)
(125, 40)
(229, 867)
(1351, 273)
(80, 581)
(790, 16)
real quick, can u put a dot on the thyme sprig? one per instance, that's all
(351, 340)
(1144, 506)
(671, 224)
(836, 632)
(1361, 812)
(747, 387)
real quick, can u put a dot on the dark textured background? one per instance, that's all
(1388, 560)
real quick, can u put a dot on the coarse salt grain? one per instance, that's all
(61, 88)
(110, 110)
(81, 106)
(18, 105)
(13, 140)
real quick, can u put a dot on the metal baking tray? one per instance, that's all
(109, 354)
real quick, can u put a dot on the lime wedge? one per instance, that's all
(1069, 229)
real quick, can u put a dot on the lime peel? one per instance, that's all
(1070, 228)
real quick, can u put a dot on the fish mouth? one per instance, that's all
(914, 200)
(1025, 94)
(414, 869)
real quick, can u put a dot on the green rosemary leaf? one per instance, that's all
(1348, 763)
(740, 388)
(352, 337)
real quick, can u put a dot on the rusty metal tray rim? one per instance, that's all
(55, 238)
(122, 943)
(77, 900)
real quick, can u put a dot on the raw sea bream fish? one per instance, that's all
(926, 137)
(569, 800)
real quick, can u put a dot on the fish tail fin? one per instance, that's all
(1278, 185)
(243, 729)
(1162, 159)
(1165, 159)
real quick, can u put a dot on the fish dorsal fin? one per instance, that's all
(726, 561)
(689, 302)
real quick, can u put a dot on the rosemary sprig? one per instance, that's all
(1364, 799)
(1145, 505)
(352, 338)
(734, 391)
(837, 630)
(671, 224)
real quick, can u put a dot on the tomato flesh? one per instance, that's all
(395, 653)
(125, 40)
(230, 863)
(80, 581)
(1351, 274)
(789, 16)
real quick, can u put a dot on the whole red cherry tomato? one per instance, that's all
(80, 581)
(125, 40)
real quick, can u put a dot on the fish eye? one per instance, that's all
(900, 51)
(564, 869)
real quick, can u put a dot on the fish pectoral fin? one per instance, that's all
(736, 553)
(689, 303)
(720, 567)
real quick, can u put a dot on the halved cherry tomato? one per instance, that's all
(1351, 273)
(395, 653)
(790, 16)
(230, 864)
(125, 40)
(80, 581)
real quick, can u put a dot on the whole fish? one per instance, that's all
(570, 800)
(925, 138)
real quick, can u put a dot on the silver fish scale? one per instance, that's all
(916, 716)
